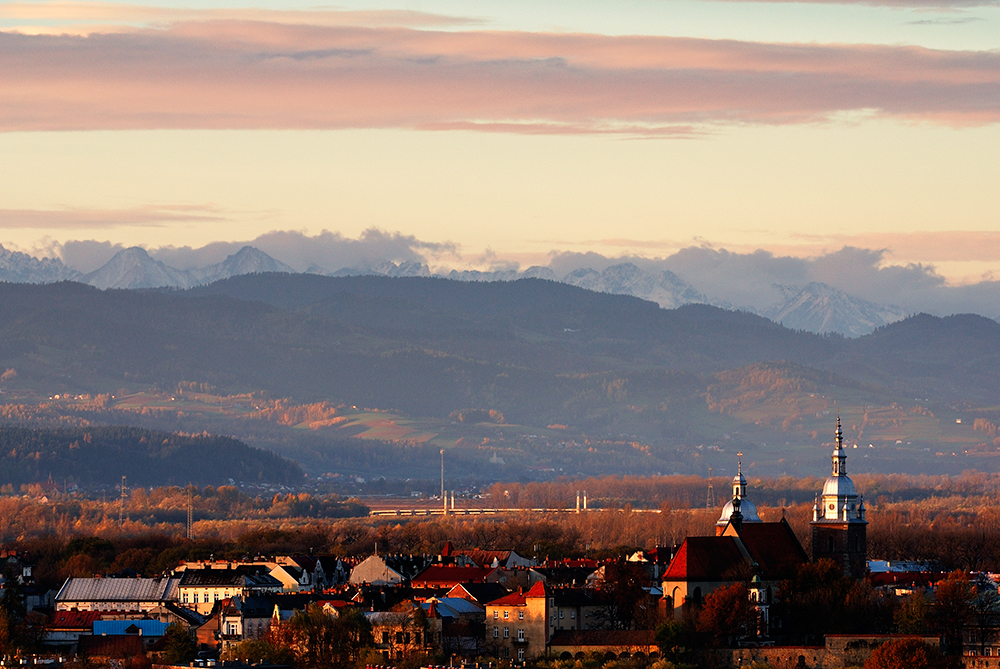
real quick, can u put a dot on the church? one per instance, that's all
(746, 549)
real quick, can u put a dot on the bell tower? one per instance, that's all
(839, 527)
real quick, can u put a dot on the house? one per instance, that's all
(517, 625)
(399, 634)
(242, 618)
(445, 577)
(462, 624)
(64, 629)
(201, 589)
(388, 569)
(116, 594)
(480, 593)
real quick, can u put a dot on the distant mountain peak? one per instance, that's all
(134, 268)
(17, 267)
(820, 307)
(664, 287)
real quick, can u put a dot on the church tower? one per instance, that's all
(839, 527)
(745, 506)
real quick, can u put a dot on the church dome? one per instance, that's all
(747, 510)
(840, 486)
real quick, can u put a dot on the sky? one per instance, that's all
(484, 133)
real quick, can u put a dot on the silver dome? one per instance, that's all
(839, 486)
(747, 510)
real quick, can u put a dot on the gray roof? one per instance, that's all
(115, 590)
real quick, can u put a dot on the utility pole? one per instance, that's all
(121, 506)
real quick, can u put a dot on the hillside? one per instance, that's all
(102, 455)
(606, 368)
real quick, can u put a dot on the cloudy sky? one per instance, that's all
(483, 131)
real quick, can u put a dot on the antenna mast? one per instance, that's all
(710, 499)
(121, 506)
(190, 527)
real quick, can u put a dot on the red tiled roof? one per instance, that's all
(774, 547)
(513, 599)
(537, 590)
(705, 559)
(438, 575)
(74, 619)
(517, 598)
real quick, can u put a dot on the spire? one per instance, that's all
(839, 456)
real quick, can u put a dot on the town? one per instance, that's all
(748, 595)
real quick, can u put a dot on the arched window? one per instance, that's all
(697, 596)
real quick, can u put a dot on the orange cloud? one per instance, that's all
(252, 74)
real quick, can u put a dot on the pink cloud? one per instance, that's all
(146, 216)
(246, 74)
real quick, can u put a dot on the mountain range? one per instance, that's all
(585, 382)
(817, 307)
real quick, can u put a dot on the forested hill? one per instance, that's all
(538, 351)
(102, 455)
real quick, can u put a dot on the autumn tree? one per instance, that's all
(907, 654)
(727, 615)
(953, 608)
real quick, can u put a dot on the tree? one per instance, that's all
(675, 638)
(621, 595)
(953, 608)
(913, 614)
(727, 614)
(906, 654)
(320, 640)
(256, 651)
(178, 646)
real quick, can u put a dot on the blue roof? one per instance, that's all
(120, 627)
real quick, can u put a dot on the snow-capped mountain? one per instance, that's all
(665, 288)
(17, 267)
(247, 260)
(822, 308)
(134, 268)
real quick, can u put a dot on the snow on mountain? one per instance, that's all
(133, 268)
(665, 288)
(822, 308)
(17, 267)
(247, 260)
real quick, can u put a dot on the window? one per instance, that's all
(520, 615)
(520, 655)
(520, 634)
(506, 652)
(185, 597)
(506, 614)
(496, 614)
(215, 596)
(385, 637)
(572, 615)
(496, 632)
(399, 637)
(416, 636)
(562, 614)
(196, 598)
(506, 632)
